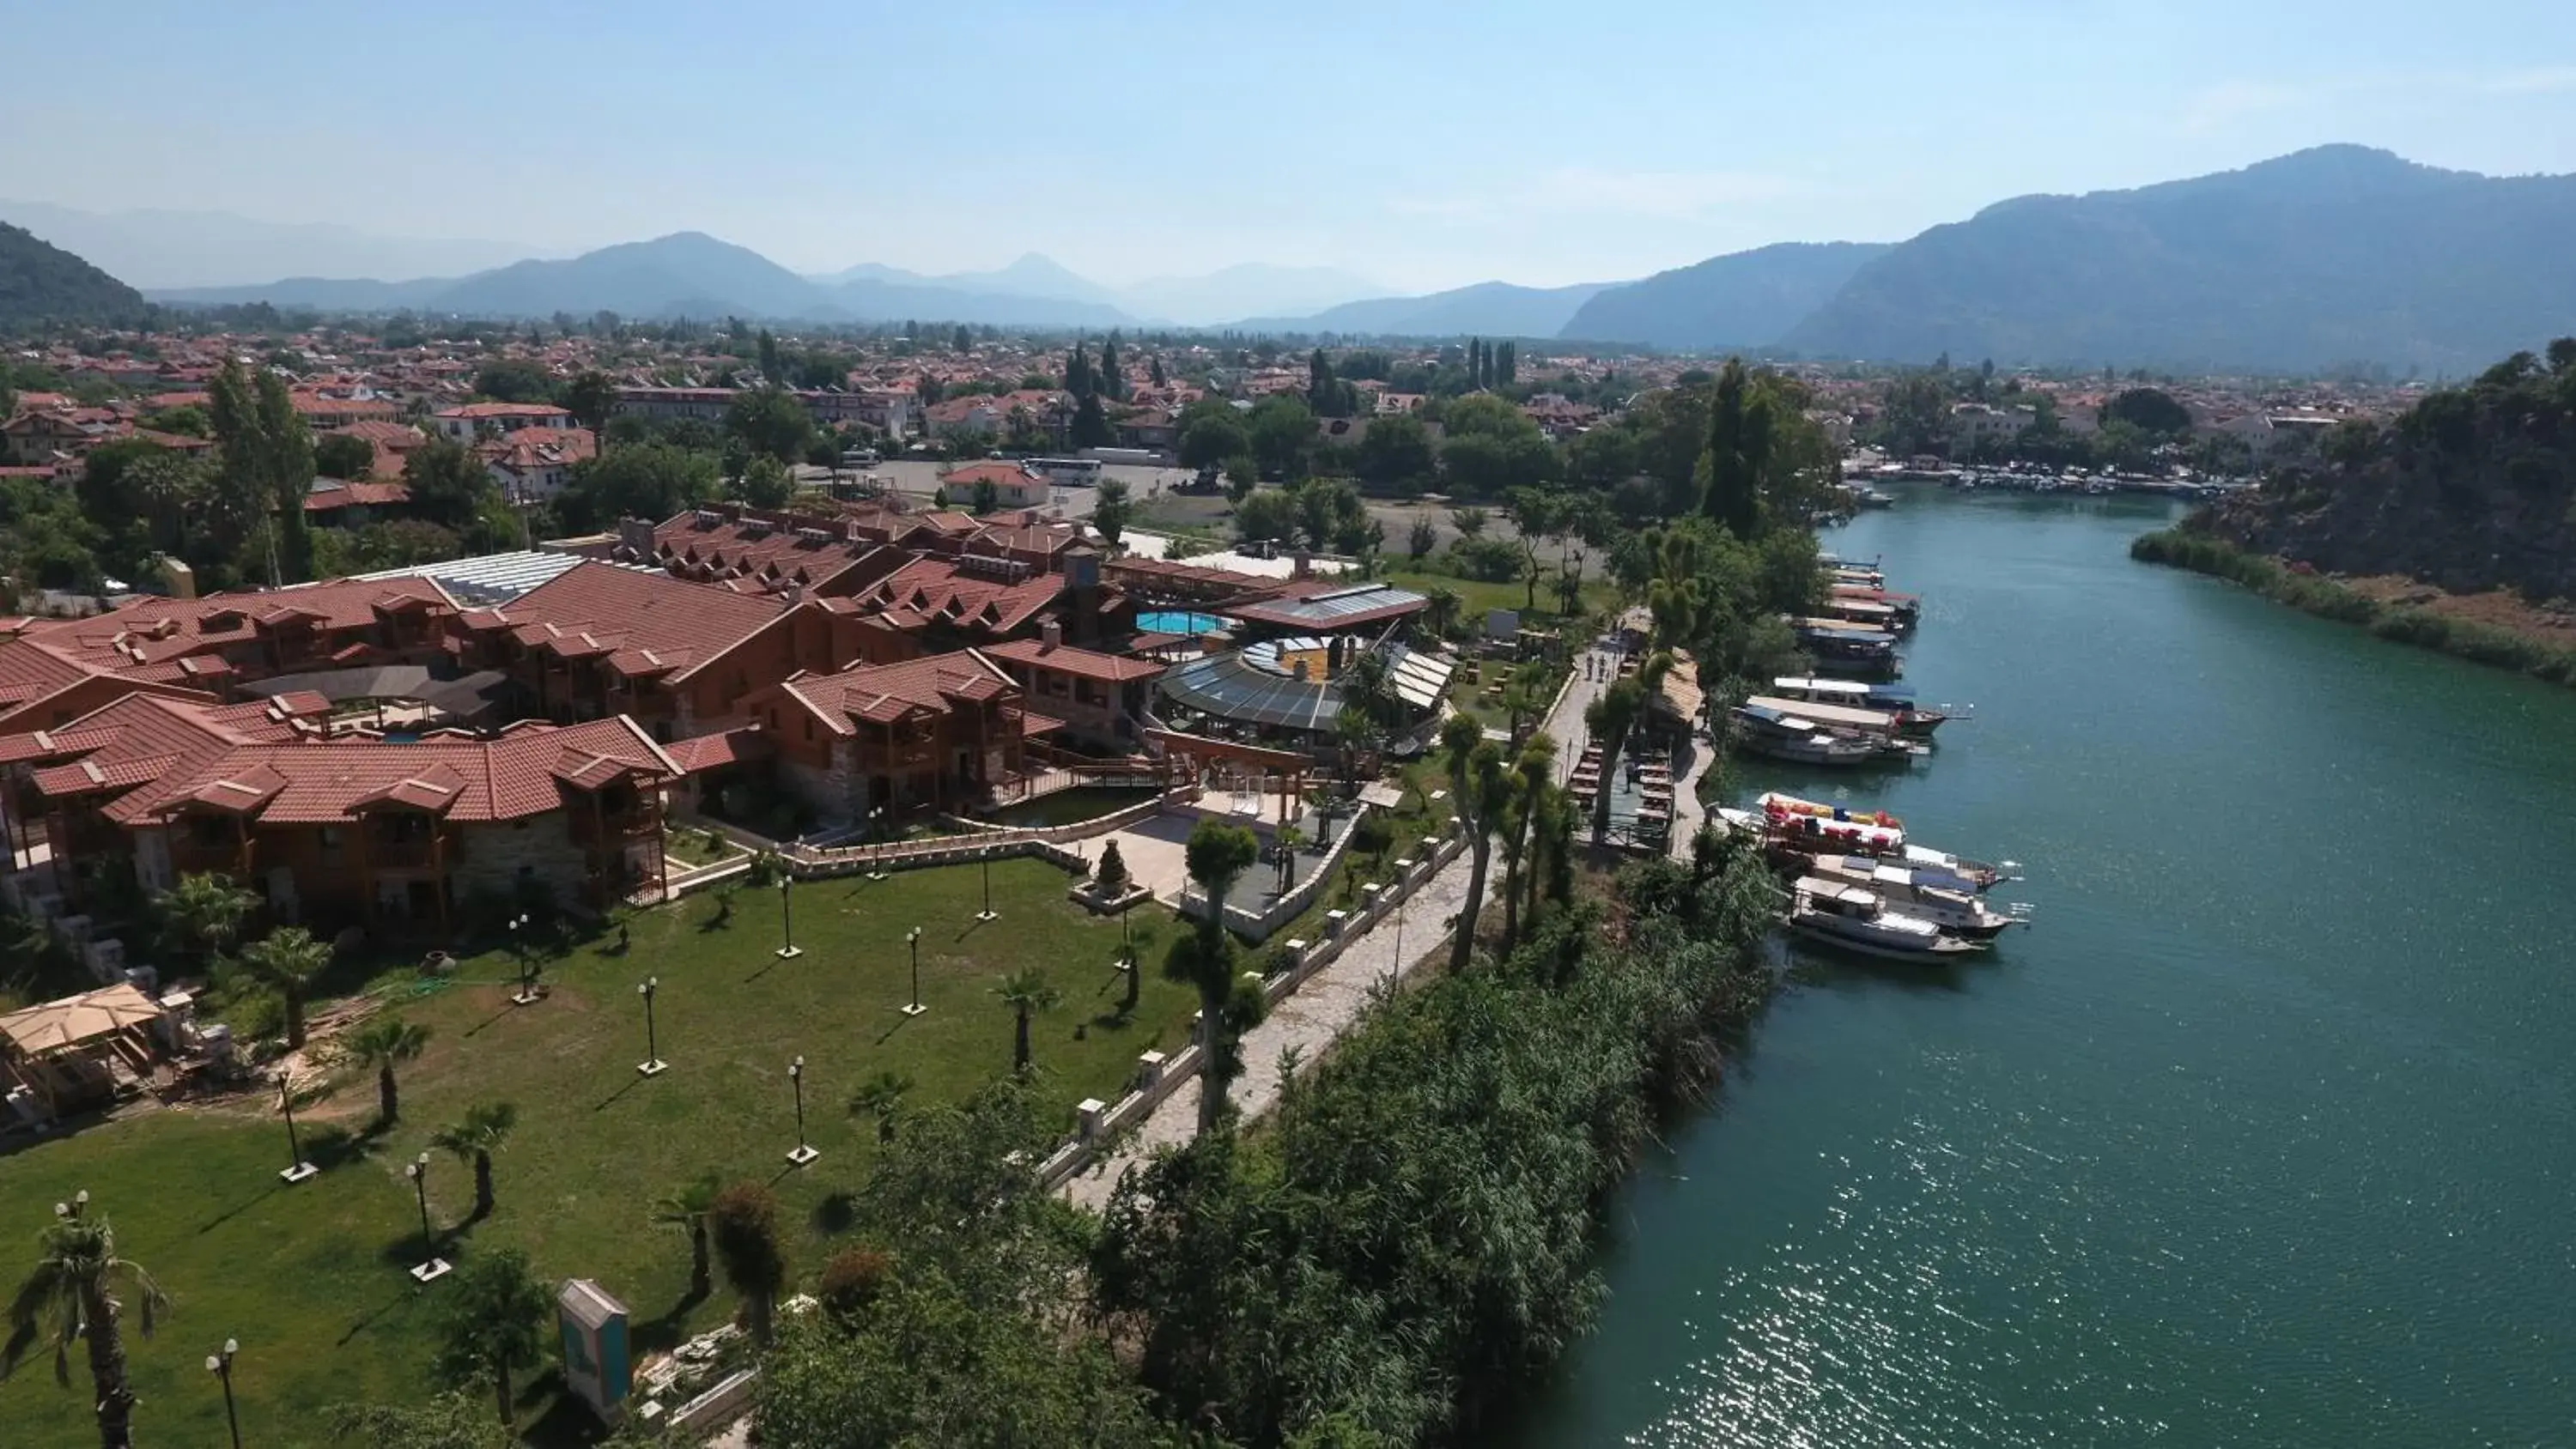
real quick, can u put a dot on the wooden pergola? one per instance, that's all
(1194, 757)
(67, 1051)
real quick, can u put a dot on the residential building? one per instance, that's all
(533, 464)
(1015, 484)
(942, 732)
(476, 422)
(1103, 699)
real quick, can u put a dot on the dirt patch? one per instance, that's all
(2552, 623)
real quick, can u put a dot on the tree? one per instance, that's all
(881, 1096)
(1154, 366)
(1423, 538)
(1110, 509)
(1528, 785)
(266, 454)
(1090, 425)
(1211, 436)
(987, 497)
(773, 368)
(1507, 364)
(744, 1222)
(492, 1320)
(340, 455)
(1112, 382)
(1268, 517)
(450, 1421)
(449, 486)
(690, 1210)
(1395, 452)
(1440, 608)
(288, 962)
(384, 1043)
(2149, 410)
(474, 1137)
(591, 398)
(1739, 443)
(1468, 759)
(1281, 428)
(71, 1294)
(1216, 856)
(765, 483)
(514, 380)
(203, 913)
(642, 480)
(1026, 993)
(1534, 513)
(1610, 718)
(1242, 475)
(770, 421)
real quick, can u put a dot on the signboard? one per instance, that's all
(596, 1363)
(1502, 624)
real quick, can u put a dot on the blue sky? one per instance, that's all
(1423, 145)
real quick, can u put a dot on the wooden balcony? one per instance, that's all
(615, 827)
(412, 853)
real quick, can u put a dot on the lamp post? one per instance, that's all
(912, 938)
(527, 994)
(433, 1266)
(297, 1169)
(221, 1366)
(652, 1065)
(787, 922)
(804, 1151)
(988, 913)
(876, 832)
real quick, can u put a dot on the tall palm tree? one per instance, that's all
(744, 1221)
(1526, 693)
(1290, 840)
(1440, 609)
(881, 1097)
(492, 1322)
(1026, 993)
(1529, 785)
(1471, 762)
(70, 1294)
(687, 1211)
(482, 1131)
(1216, 856)
(204, 912)
(385, 1043)
(288, 962)
(1611, 718)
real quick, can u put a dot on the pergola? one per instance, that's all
(1194, 757)
(67, 1051)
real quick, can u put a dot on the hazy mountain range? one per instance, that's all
(164, 249)
(2333, 255)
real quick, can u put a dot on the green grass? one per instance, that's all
(310, 1278)
(1069, 807)
(1476, 596)
(693, 848)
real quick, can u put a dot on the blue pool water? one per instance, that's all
(1178, 621)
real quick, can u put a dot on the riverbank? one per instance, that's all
(2495, 629)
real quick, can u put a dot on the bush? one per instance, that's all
(1109, 877)
(853, 1279)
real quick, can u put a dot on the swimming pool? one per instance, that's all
(1178, 621)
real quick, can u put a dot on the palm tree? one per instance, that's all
(1290, 840)
(1440, 610)
(70, 1294)
(1611, 718)
(687, 1211)
(1217, 854)
(881, 1097)
(385, 1043)
(203, 912)
(288, 962)
(1528, 797)
(493, 1322)
(1026, 993)
(482, 1131)
(1472, 762)
(744, 1221)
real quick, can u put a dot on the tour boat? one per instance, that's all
(1891, 698)
(1948, 901)
(1765, 730)
(1843, 642)
(1908, 607)
(1855, 920)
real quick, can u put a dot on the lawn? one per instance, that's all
(1478, 595)
(310, 1278)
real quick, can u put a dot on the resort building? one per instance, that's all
(942, 732)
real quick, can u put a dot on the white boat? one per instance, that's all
(1852, 919)
(1896, 700)
(1801, 740)
(1948, 901)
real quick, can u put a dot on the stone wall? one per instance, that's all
(495, 856)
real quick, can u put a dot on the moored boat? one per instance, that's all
(1852, 645)
(1852, 919)
(1889, 697)
(1948, 901)
(1781, 735)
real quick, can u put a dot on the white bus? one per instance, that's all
(1067, 470)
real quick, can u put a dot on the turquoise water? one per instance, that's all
(2263, 1134)
(1178, 621)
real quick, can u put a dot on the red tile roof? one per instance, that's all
(941, 589)
(356, 495)
(1066, 659)
(883, 693)
(155, 631)
(643, 622)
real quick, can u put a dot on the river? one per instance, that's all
(2263, 1134)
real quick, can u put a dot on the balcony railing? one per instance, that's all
(418, 853)
(617, 825)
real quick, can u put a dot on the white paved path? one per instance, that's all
(1331, 999)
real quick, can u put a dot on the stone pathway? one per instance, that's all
(1333, 998)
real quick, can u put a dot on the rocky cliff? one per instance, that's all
(2472, 489)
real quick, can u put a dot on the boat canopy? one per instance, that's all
(1851, 689)
(1819, 888)
(1832, 714)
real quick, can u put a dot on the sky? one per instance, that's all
(1422, 145)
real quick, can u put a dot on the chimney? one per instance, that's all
(183, 579)
(1304, 566)
(635, 538)
(1051, 634)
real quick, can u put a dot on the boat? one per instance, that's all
(1949, 901)
(1795, 831)
(1851, 919)
(1865, 613)
(1793, 737)
(1844, 642)
(1908, 607)
(1891, 698)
